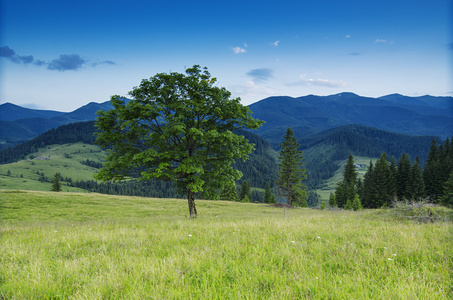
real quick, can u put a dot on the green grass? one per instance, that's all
(91, 246)
(64, 159)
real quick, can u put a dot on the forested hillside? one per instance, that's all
(259, 169)
(325, 149)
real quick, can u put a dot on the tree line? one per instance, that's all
(388, 180)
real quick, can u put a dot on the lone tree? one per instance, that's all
(178, 127)
(291, 173)
(56, 184)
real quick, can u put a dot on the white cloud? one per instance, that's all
(238, 50)
(380, 41)
(276, 43)
(348, 36)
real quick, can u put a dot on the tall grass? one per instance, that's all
(90, 246)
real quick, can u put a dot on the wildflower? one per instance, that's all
(394, 254)
(390, 258)
(190, 235)
(293, 242)
(318, 237)
(385, 247)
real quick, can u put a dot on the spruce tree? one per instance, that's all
(291, 171)
(416, 185)
(229, 192)
(381, 180)
(403, 176)
(369, 188)
(350, 171)
(431, 173)
(245, 191)
(356, 204)
(392, 183)
(332, 201)
(341, 194)
(346, 190)
(56, 185)
(447, 197)
(268, 195)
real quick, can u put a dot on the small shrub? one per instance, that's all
(421, 211)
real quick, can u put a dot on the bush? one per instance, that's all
(421, 211)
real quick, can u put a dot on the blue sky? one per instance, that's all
(61, 55)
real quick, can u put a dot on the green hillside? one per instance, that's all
(45, 162)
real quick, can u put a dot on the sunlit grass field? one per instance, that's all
(64, 159)
(92, 246)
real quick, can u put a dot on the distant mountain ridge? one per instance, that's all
(425, 115)
(18, 124)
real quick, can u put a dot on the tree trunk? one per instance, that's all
(191, 199)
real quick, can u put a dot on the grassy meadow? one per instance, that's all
(92, 246)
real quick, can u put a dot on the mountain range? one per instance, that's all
(307, 115)
(311, 114)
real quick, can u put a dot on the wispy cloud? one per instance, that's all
(64, 62)
(276, 43)
(262, 74)
(348, 36)
(319, 82)
(238, 50)
(382, 41)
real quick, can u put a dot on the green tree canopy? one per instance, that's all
(178, 127)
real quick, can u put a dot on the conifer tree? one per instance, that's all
(416, 186)
(403, 176)
(291, 171)
(356, 204)
(382, 178)
(332, 201)
(350, 171)
(268, 196)
(341, 194)
(245, 191)
(346, 190)
(431, 172)
(56, 185)
(392, 183)
(369, 188)
(229, 192)
(447, 197)
(348, 205)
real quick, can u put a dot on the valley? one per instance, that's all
(327, 129)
